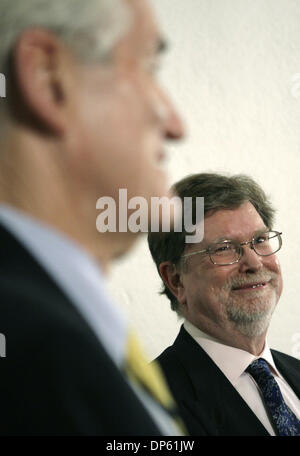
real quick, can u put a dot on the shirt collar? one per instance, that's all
(77, 274)
(230, 360)
(80, 278)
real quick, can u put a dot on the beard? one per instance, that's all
(251, 315)
(252, 322)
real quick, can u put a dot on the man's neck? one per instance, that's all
(34, 183)
(229, 335)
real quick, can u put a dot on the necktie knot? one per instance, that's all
(260, 371)
(259, 365)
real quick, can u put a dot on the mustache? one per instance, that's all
(244, 279)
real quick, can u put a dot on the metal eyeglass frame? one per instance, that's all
(239, 249)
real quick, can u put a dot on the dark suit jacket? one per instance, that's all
(208, 403)
(56, 378)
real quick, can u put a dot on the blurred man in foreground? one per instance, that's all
(224, 377)
(83, 118)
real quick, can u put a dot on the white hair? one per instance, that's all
(89, 28)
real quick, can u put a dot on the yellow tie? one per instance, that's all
(150, 377)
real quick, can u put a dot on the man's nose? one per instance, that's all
(171, 120)
(174, 126)
(250, 261)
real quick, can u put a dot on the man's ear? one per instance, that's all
(42, 78)
(172, 278)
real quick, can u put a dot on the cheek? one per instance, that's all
(207, 284)
(132, 95)
(219, 276)
(280, 287)
(273, 265)
(280, 281)
(216, 283)
(277, 265)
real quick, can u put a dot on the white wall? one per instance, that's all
(229, 70)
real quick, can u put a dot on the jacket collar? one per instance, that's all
(215, 401)
(290, 368)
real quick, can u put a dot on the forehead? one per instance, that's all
(237, 224)
(144, 34)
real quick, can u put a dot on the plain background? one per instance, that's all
(233, 70)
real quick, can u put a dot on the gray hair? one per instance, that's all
(219, 192)
(90, 28)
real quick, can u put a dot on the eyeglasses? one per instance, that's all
(230, 252)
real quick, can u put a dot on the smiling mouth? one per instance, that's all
(251, 286)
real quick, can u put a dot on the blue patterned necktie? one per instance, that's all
(283, 419)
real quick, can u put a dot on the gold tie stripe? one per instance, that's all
(150, 377)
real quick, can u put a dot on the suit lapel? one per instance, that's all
(215, 401)
(289, 367)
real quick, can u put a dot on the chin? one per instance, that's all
(253, 320)
(254, 328)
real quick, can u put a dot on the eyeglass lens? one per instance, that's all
(264, 245)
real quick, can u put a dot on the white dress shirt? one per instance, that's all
(79, 277)
(233, 362)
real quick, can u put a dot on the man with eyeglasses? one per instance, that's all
(224, 376)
